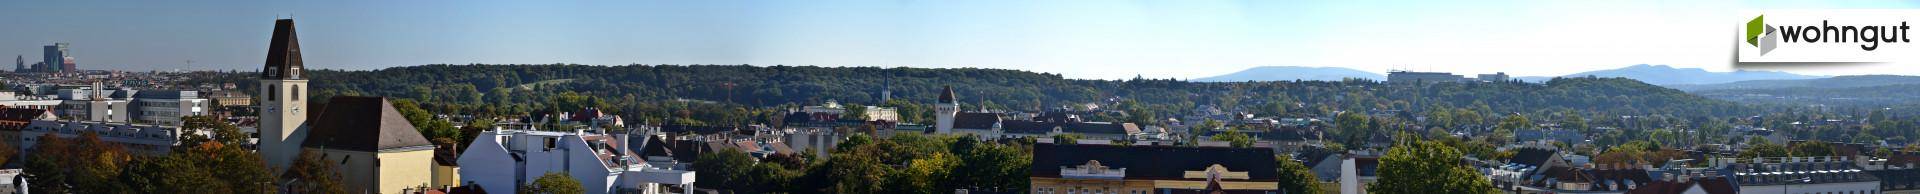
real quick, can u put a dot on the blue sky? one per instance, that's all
(1081, 39)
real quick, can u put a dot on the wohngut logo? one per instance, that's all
(1828, 36)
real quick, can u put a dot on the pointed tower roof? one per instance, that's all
(283, 54)
(947, 96)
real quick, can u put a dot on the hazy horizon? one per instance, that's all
(1078, 39)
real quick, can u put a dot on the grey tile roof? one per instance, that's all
(362, 124)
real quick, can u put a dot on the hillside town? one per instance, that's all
(380, 144)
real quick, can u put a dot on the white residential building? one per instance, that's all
(503, 160)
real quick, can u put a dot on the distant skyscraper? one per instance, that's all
(56, 58)
(66, 65)
(20, 63)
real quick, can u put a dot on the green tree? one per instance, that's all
(992, 167)
(928, 175)
(1067, 138)
(175, 174)
(855, 112)
(1296, 177)
(724, 169)
(853, 141)
(424, 121)
(1812, 148)
(312, 174)
(1574, 121)
(83, 164)
(1765, 150)
(1427, 167)
(8, 152)
(49, 172)
(859, 171)
(1515, 122)
(1235, 138)
(554, 183)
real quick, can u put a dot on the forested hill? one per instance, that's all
(638, 90)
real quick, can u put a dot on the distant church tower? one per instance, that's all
(886, 92)
(944, 110)
(282, 112)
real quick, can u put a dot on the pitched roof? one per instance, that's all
(362, 124)
(1717, 185)
(1025, 127)
(1532, 156)
(702, 130)
(946, 96)
(1620, 179)
(1568, 174)
(17, 119)
(1103, 128)
(656, 146)
(970, 120)
(21, 114)
(446, 157)
(1154, 162)
(1662, 187)
(283, 53)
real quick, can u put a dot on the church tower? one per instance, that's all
(282, 102)
(944, 110)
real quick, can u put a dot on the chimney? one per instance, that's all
(98, 89)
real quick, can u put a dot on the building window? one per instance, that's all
(271, 91)
(296, 93)
(551, 142)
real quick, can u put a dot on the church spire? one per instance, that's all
(283, 54)
(947, 96)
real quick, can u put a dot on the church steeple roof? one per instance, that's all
(946, 97)
(283, 54)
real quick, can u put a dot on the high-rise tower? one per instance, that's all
(282, 103)
(55, 56)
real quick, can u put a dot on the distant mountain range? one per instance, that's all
(1860, 90)
(1291, 73)
(1668, 76)
(1851, 81)
(1662, 75)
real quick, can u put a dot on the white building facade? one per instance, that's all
(503, 160)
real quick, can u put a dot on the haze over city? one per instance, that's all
(1107, 40)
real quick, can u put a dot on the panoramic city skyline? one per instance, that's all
(1079, 40)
